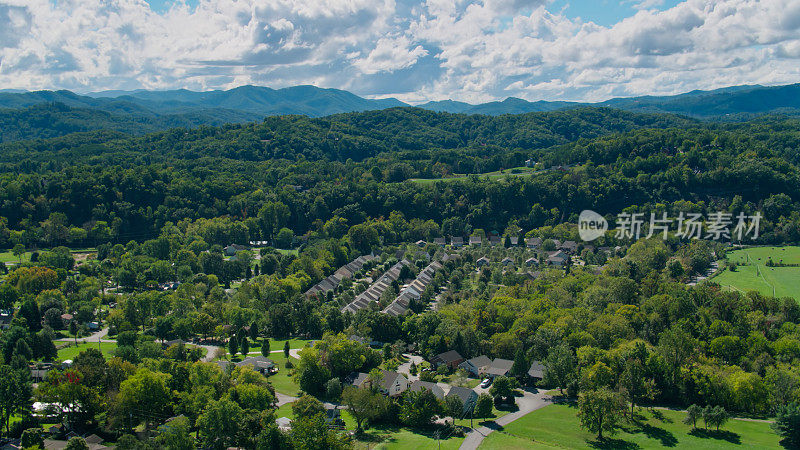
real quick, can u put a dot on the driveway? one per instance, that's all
(527, 403)
(405, 368)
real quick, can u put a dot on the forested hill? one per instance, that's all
(44, 114)
(339, 171)
(402, 132)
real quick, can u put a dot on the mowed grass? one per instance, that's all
(519, 172)
(8, 257)
(557, 426)
(756, 276)
(72, 351)
(282, 381)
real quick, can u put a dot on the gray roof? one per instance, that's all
(480, 361)
(537, 370)
(433, 387)
(461, 392)
(499, 367)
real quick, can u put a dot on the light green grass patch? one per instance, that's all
(756, 276)
(70, 352)
(557, 426)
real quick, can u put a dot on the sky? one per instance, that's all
(466, 50)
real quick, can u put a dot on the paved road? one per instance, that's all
(405, 368)
(527, 403)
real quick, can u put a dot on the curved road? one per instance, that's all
(527, 403)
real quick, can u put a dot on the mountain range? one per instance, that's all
(25, 115)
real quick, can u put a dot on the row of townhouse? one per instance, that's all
(413, 291)
(346, 271)
(374, 292)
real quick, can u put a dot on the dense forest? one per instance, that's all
(161, 210)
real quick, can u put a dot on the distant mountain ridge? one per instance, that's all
(141, 111)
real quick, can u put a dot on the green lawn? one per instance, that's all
(557, 426)
(282, 381)
(514, 171)
(389, 437)
(6, 257)
(72, 351)
(756, 276)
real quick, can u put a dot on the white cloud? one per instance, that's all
(471, 50)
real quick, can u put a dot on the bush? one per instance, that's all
(289, 364)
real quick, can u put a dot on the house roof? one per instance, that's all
(499, 367)
(448, 357)
(433, 387)
(257, 362)
(461, 392)
(537, 370)
(474, 239)
(480, 361)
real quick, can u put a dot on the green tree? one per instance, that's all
(418, 408)
(600, 410)
(560, 367)
(693, 414)
(8, 296)
(219, 424)
(18, 251)
(144, 391)
(453, 406)
(76, 443)
(715, 416)
(244, 345)
(233, 346)
(177, 435)
(501, 387)
(73, 330)
(307, 406)
(787, 424)
(521, 366)
(483, 406)
(364, 405)
(265, 347)
(286, 349)
(32, 437)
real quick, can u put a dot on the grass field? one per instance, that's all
(557, 426)
(8, 257)
(514, 171)
(756, 276)
(282, 381)
(71, 352)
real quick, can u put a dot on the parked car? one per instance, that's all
(486, 383)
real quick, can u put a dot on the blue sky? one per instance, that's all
(414, 50)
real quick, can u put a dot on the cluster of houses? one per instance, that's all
(57, 439)
(374, 292)
(259, 364)
(494, 239)
(413, 291)
(346, 271)
(393, 384)
(484, 367)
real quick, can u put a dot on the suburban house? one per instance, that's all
(450, 359)
(475, 240)
(467, 396)
(507, 261)
(457, 241)
(393, 383)
(232, 249)
(537, 370)
(531, 262)
(421, 243)
(332, 282)
(570, 247)
(533, 242)
(477, 365)
(433, 387)
(557, 258)
(514, 240)
(499, 368)
(439, 241)
(284, 423)
(260, 364)
(5, 321)
(482, 261)
(495, 241)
